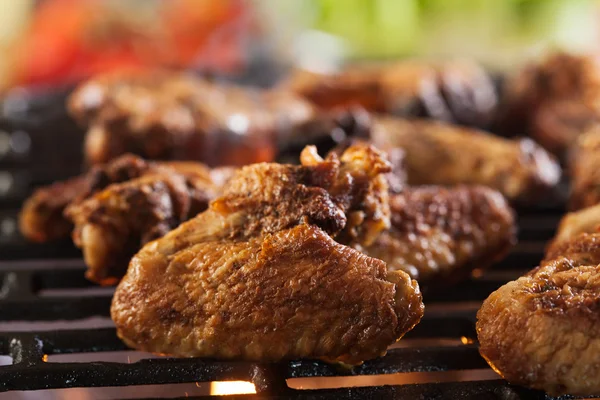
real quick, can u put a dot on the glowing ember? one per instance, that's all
(232, 387)
(466, 340)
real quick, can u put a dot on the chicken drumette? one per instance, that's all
(258, 275)
(112, 225)
(441, 154)
(439, 235)
(543, 330)
(170, 116)
(456, 91)
(584, 169)
(42, 216)
(553, 101)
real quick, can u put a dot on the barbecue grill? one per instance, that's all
(55, 330)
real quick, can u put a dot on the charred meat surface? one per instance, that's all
(553, 100)
(586, 220)
(543, 330)
(439, 235)
(456, 91)
(41, 218)
(253, 276)
(172, 116)
(584, 168)
(441, 154)
(111, 225)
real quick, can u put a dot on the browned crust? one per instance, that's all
(543, 330)
(439, 235)
(253, 276)
(444, 154)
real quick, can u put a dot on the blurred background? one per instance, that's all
(52, 42)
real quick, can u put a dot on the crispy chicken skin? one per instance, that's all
(41, 218)
(253, 276)
(543, 330)
(457, 91)
(171, 116)
(553, 100)
(443, 154)
(438, 235)
(586, 220)
(584, 168)
(111, 225)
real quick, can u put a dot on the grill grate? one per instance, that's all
(50, 290)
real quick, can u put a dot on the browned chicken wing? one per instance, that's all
(457, 91)
(543, 330)
(253, 276)
(554, 100)
(586, 220)
(438, 236)
(172, 116)
(42, 216)
(584, 168)
(443, 154)
(113, 224)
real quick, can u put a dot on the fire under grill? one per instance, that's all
(55, 333)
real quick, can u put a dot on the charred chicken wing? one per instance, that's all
(554, 101)
(443, 154)
(543, 330)
(258, 275)
(172, 116)
(438, 235)
(456, 91)
(584, 168)
(586, 220)
(42, 216)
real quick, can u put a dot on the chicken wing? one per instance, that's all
(543, 330)
(438, 236)
(584, 169)
(111, 225)
(442, 154)
(258, 276)
(172, 116)
(457, 91)
(554, 100)
(41, 218)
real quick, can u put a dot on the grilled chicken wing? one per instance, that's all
(584, 168)
(442, 154)
(457, 91)
(543, 330)
(111, 225)
(554, 100)
(438, 235)
(42, 216)
(586, 220)
(258, 276)
(173, 116)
